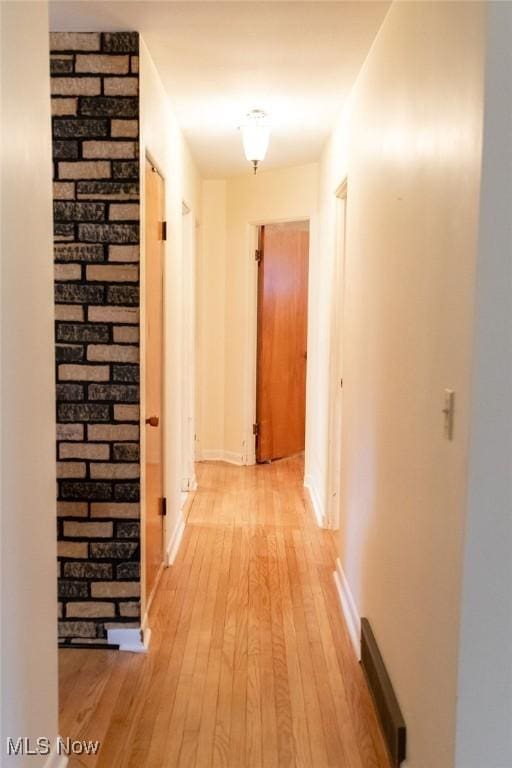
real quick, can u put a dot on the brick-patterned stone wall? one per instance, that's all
(95, 120)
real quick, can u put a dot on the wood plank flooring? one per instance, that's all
(250, 664)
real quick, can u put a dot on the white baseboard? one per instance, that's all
(55, 760)
(175, 540)
(348, 607)
(315, 500)
(231, 457)
(144, 627)
(133, 640)
(146, 631)
(138, 640)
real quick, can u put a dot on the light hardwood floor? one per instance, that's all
(250, 664)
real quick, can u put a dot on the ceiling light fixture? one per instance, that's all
(255, 136)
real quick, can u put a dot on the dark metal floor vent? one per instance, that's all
(393, 724)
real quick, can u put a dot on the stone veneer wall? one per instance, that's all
(95, 109)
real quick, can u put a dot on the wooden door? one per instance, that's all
(282, 340)
(154, 317)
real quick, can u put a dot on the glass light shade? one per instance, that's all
(255, 136)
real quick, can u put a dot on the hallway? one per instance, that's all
(250, 664)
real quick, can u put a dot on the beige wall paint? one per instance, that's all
(210, 341)
(28, 541)
(227, 286)
(411, 145)
(161, 137)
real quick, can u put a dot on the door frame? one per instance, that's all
(145, 598)
(188, 333)
(250, 371)
(335, 449)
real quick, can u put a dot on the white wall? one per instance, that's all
(484, 735)
(163, 140)
(28, 514)
(410, 144)
(227, 287)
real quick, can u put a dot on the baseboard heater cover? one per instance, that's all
(392, 721)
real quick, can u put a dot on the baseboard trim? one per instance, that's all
(231, 457)
(177, 536)
(133, 640)
(146, 632)
(314, 499)
(348, 608)
(145, 629)
(140, 646)
(55, 760)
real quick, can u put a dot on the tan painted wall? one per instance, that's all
(28, 508)
(411, 146)
(211, 297)
(227, 325)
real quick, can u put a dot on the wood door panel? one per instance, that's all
(282, 340)
(154, 317)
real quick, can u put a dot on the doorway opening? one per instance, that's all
(154, 497)
(336, 382)
(282, 310)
